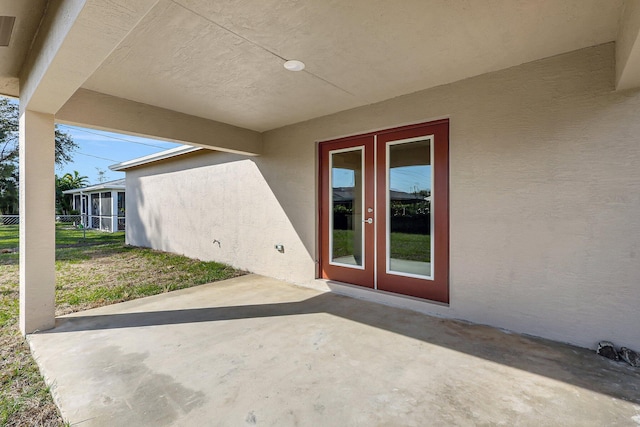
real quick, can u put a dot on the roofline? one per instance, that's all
(163, 155)
(104, 186)
(93, 189)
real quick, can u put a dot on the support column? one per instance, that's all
(37, 221)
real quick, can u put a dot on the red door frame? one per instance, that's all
(362, 277)
(435, 289)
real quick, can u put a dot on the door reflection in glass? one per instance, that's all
(346, 207)
(409, 208)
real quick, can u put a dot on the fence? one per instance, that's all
(9, 219)
(96, 222)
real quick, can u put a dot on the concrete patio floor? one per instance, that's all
(256, 351)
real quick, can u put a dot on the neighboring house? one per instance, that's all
(520, 119)
(101, 206)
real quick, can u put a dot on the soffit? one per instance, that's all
(28, 14)
(223, 60)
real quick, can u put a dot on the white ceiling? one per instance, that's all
(223, 60)
(28, 15)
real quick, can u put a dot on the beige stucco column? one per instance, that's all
(37, 221)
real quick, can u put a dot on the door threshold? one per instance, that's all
(431, 308)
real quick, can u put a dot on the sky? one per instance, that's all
(98, 150)
(408, 178)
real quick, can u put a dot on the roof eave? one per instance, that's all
(163, 155)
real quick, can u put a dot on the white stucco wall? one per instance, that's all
(544, 190)
(184, 205)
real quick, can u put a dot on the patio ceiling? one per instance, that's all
(28, 14)
(223, 61)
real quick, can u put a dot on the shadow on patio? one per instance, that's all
(296, 319)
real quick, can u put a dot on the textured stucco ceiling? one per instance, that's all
(28, 15)
(223, 60)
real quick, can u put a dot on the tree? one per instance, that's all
(8, 187)
(76, 180)
(67, 182)
(8, 157)
(9, 151)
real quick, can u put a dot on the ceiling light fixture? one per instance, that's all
(294, 65)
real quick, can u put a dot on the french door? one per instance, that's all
(384, 210)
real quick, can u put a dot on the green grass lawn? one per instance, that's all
(8, 236)
(413, 247)
(66, 234)
(91, 271)
(342, 243)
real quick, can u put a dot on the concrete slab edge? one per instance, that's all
(49, 382)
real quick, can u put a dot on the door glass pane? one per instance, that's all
(105, 211)
(95, 210)
(346, 207)
(409, 208)
(121, 210)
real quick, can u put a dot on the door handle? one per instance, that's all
(368, 220)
